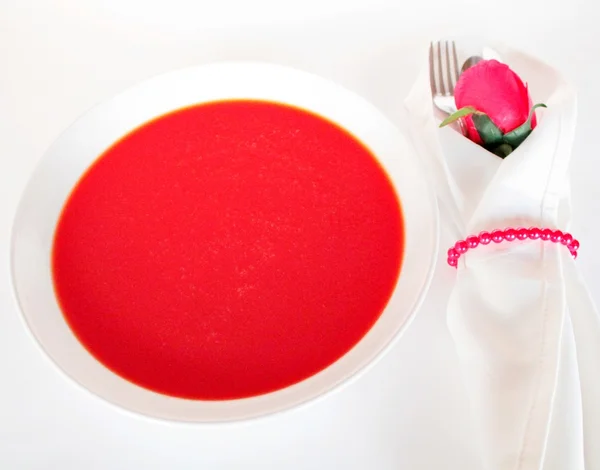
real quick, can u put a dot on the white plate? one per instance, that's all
(64, 163)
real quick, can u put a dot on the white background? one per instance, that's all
(60, 57)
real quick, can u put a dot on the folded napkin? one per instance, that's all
(524, 325)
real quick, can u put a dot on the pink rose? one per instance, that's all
(495, 106)
(494, 89)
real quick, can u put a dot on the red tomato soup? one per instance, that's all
(228, 250)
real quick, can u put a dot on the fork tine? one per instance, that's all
(455, 62)
(449, 76)
(432, 83)
(442, 88)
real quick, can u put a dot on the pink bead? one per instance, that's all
(574, 245)
(522, 234)
(461, 246)
(485, 238)
(452, 253)
(546, 234)
(574, 254)
(452, 261)
(510, 234)
(497, 236)
(556, 236)
(567, 238)
(534, 233)
(473, 241)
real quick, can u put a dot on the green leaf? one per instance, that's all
(503, 150)
(516, 137)
(462, 112)
(489, 133)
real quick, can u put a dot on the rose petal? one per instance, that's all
(530, 101)
(493, 88)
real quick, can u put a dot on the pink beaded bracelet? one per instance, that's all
(509, 235)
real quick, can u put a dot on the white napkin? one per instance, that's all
(525, 328)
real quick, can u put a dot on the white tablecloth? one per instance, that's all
(59, 57)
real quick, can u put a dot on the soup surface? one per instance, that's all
(227, 250)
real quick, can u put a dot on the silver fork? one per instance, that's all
(443, 75)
